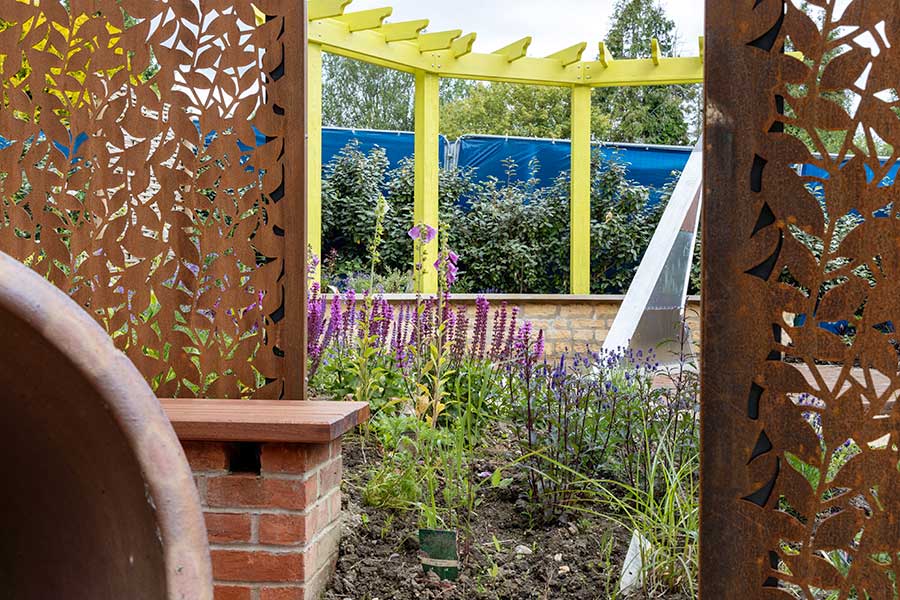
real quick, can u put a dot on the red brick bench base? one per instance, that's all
(273, 504)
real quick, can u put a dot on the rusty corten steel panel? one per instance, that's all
(801, 302)
(154, 168)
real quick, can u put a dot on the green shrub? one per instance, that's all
(513, 235)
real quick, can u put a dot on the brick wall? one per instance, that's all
(568, 322)
(272, 515)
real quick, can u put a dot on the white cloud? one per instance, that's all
(553, 25)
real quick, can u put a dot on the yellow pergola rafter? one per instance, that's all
(570, 55)
(430, 56)
(404, 31)
(405, 47)
(515, 51)
(442, 40)
(325, 9)
(365, 20)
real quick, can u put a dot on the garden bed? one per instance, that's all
(544, 465)
(504, 555)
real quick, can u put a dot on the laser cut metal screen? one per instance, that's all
(800, 486)
(152, 165)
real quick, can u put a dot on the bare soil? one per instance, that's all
(504, 553)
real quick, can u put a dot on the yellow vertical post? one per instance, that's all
(580, 209)
(314, 153)
(427, 113)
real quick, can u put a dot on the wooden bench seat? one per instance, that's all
(304, 422)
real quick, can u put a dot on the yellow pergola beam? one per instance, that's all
(654, 51)
(326, 9)
(314, 154)
(403, 31)
(434, 53)
(427, 172)
(462, 46)
(570, 55)
(580, 203)
(515, 51)
(439, 40)
(365, 20)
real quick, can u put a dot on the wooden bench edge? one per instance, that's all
(285, 421)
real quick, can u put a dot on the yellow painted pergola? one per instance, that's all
(405, 46)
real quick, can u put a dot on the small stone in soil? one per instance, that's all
(522, 549)
(557, 557)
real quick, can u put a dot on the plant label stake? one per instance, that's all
(439, 553)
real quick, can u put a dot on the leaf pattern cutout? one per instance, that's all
(824, 399)
(141, 171)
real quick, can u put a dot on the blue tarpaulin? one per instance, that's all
(808, 170)
(396, 144)
(650, 166)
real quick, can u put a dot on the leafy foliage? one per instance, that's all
(512, 235)
(516, 110)
(651, 115)
(362, 95)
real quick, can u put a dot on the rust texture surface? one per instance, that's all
(153, 169)
(100, 503)
(800, 481)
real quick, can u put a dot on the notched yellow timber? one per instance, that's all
(654, 51)
(462, 46)
(440, 40)
(516, 50)
(605, 57)
(365, 20)
(570, 55)
(326, 9)
(448, 54)
(403, 31)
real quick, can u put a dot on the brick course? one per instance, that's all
(274, 535)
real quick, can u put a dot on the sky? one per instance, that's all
(553, 24)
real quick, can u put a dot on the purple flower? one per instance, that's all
(423, 233)
(452, 274)
(482, 306)
(462, 332)
(510, 340)
(498, 332)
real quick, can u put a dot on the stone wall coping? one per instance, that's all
(303, 422)
(525, 298)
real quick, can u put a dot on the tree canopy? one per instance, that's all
(357, 94)
(650, 115)
(516, 110)
(361, 95)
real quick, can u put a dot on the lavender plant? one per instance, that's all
(594, 415)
